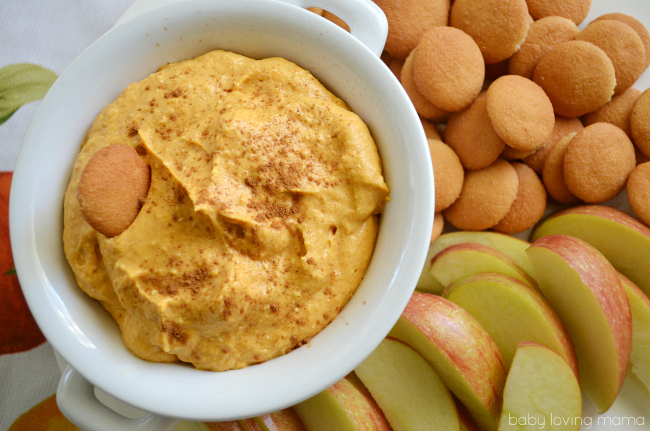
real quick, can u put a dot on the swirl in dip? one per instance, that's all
(260, 219)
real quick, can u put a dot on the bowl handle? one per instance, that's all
(76, 399)
(366, 20)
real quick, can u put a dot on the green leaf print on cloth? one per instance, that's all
(22, 83)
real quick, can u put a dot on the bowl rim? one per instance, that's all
(137, 382)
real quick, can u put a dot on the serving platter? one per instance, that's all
(631, 410)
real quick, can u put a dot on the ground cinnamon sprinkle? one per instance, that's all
(175, 93)
(133, 130)
(174, 330)
(170, 285)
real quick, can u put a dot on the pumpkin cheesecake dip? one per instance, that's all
(259, 221)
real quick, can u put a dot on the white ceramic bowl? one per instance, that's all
(77, 326)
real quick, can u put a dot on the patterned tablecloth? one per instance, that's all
(38, 39)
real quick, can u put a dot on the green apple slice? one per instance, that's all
(407, 388)
(346, 405)
(511, 312)
(427, 282)
(511, 246)
(200, 426)
(541, 392)
(249, 424)
(640, 306)
(585, 291)
(461, 351)
(282, 420)
(622, 239)
(465, 259)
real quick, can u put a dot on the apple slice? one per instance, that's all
(199, 426)
(222, 426)
(623, 240)
(427, 283)
(461, 351)
(585, 291)
(541, 392)
(511, 312)
(467, 422)
(462, 260)
(282, 420)
(249, 424)
(640, 306)
(407, 388)
(346, 405)
(511, 246)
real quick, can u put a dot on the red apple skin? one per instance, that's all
(224, 426)
(487, 250)
(282, 420)
(371, 418)
(531, 343)
(603, 280)
(607, 212)
(624, 257)
(249, 424)
(354, 402)
(473, 247)
(538, 299)
(636, 289)
(477, 356)
(19, 329)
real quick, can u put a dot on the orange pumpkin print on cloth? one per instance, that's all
(18, 330)
(44, 416)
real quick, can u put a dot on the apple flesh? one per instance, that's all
(541, 392)
(346, 405)
(462, 260)
(511, 312)
(249, 424)
(427, 282)
(585, 291)
(282, 420)
(640, 307)
(461, 351)
(467, 422)
(511, 246)
(622, 239)
(407, 388)
(223, 426)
